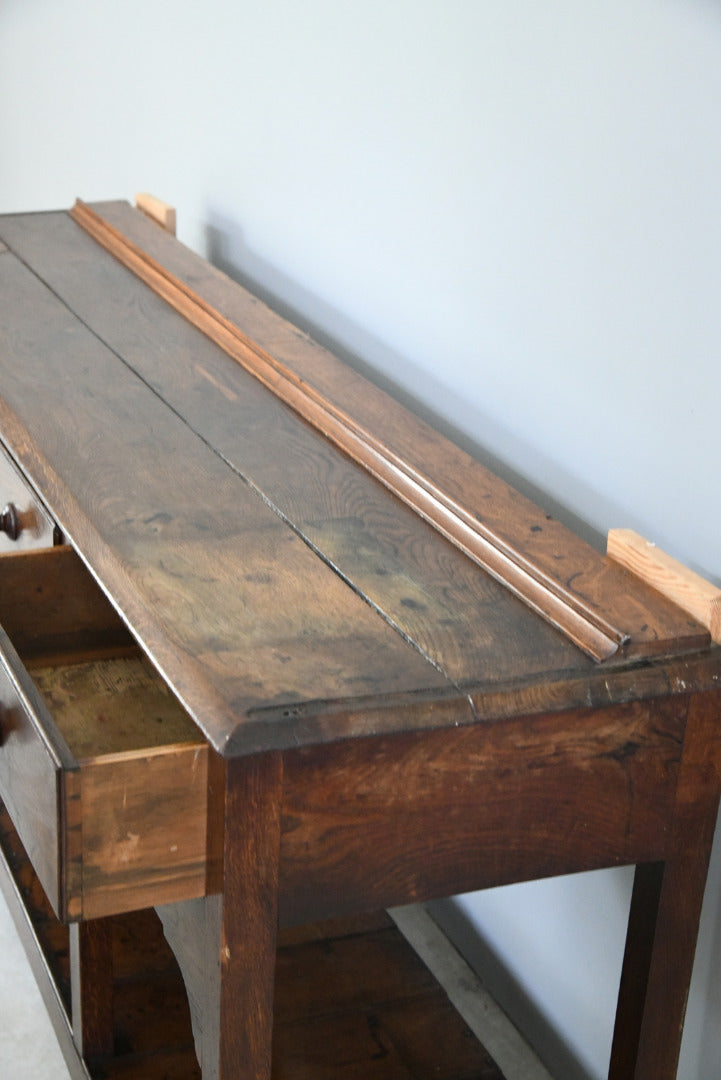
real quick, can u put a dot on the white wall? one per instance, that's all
(511, 211)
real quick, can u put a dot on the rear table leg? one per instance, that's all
(665, 913)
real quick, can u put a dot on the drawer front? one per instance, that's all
(106, 832)
(24, 521)
(31, 774)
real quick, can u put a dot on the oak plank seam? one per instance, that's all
(548, 598)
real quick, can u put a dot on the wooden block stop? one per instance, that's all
(159, 211)
(689, 590)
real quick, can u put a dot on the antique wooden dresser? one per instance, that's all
(273, 651)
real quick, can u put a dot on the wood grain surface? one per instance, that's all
(523, 799)
(232, 605)
(668, 576)
(380, 721)
(406, 608)
(534, 534)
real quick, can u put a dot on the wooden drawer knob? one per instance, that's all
(10, 521)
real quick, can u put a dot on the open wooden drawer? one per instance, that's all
(101, 770)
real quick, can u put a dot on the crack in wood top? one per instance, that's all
(587, 628)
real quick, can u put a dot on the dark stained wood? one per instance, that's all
(359, 1003)
(378, 720)
(269, 621)
(51, 936)
(112, 830)
(320, 978)
(249, 918)
(560, 606)
(456, 616)
(530, 798)
(652, 623)
(35, 765)
(365, 923)
(665, 913)
(226, 945)
(352, 1001)
(92, 986)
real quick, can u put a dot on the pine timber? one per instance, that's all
(689, 590)
(158, 210)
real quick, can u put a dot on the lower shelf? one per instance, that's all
(353, 999)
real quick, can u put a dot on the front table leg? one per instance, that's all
(226, 944)
(91, 975)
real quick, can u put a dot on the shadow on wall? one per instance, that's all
(226, 248)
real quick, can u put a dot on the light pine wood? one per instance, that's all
(158, 210)
(684, 587)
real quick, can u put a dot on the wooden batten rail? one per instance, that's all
(546, 596)
(660, 571)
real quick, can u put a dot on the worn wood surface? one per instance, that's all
(113, 706)
(353, 1001)
(444, 608)
(226, 944)
(515, 519)
(144, 830)
(363, 686)
(106, 779)
(44, 939)
(52, 609)
(52, 936)
(34, 764)
(269, 621)
(548, 597)
(502, 802)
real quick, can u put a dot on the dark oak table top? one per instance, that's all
(393, 723)
(285, 595)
